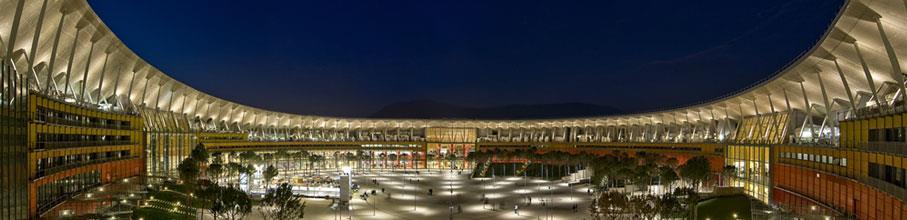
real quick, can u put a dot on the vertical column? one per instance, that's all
(807, 109)
(853, 105)
(869, 80)
(103, 74)
(825, 101)
(72, 55)
(15, 28)
(145, 90)
(892, 56)
(94, 39)
(34, 44)
(53, 52)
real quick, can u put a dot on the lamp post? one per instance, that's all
(414, 194)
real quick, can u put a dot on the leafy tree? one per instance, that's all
(643, 206)
(667, 176)
(211, 194)
(269, 174)
(236, 203)
(612, 204)
(728, 172)
(668, 206)
(235, 169)
(248, 157)
(188, 170)
(687, 196)
(249, 170)
(200, 154)
(281, 204)
(696, 170)
(188, 173)
(214, 171)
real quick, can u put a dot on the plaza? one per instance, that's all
(405, 196)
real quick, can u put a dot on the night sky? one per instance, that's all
(350, 58)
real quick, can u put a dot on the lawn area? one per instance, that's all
(160, 203)
(724, 207)
(148, 213)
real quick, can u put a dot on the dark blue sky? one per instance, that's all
(350, 58)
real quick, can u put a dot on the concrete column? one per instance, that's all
(34, 44)
(869, 80)
(853, 104)
(786, 99)
(53, 53)
(72, 55)
(94, 40)
(103, 73)
(15, 28)
(892, 56)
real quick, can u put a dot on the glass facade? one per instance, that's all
(764, 129)
(56, 192)
(164, 151)
(450, 135)
(13, 151)
(752, 165)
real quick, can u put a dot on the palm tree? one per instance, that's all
(360, 154)
(269, 174)
(727, 173)
(283, 155)
(393, 158)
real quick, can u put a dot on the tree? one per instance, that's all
(211, 194)
(728, 172)
(667, 176)
(236, 203)
(393, 158)
(188, 173)
(612, 204)
(285, 156)
(249, 170)
(280, 204)
(269, 174)
(643, 206)
(214, 171)
(696, 170)
(235, 169)
(668, 207)
(200, 154)
(687, 196)
(188, 170)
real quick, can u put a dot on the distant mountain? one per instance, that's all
(426, 109)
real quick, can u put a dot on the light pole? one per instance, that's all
(414, 195)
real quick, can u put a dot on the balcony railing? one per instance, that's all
(80, 123)
(44, 172)
(898, 148)
(72, 144)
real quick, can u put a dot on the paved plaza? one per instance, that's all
(454, 196)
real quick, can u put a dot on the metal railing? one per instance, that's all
(71, 144)
(48, 171)
(897, 148)
(80, 123)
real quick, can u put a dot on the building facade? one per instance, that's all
(826, 134)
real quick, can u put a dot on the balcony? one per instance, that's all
(48, 171)
(897, 148)
(47, 145)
